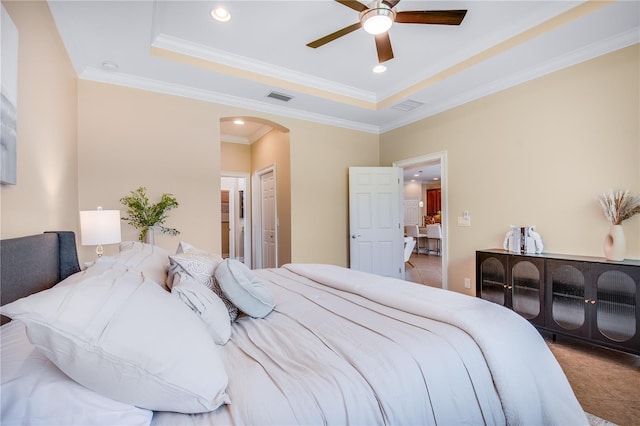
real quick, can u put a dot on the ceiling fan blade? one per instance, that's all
(326, 39)
(383, 46)
(441, 17)
(355, 5)
(391, 3)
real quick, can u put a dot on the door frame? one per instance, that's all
(428, 158)
(247, 211)
(257, 214)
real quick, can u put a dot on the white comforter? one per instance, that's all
(344, 347)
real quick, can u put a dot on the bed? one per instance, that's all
(152, 337)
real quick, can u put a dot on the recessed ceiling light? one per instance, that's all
(238, 121)
(220, 14)
(436, 178)
(379, 69)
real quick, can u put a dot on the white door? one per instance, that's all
(375, 220)
(412, 212)
(268, 220)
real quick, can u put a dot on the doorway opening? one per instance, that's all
(235, 223)
(413, 165)
(266, 217)
(249, 145)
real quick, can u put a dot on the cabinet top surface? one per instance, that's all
(631, 262)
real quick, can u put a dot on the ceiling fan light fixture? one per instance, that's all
(377, 20)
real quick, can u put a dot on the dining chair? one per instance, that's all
(434, 233)
(414, 231)
(409, 244)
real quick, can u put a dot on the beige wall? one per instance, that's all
(273, 150)
(320, 160)
(45, 197)
(235, 157)
(537, 154)
(129, 138)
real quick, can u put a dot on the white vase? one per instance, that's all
(614, 244)
(148, 238)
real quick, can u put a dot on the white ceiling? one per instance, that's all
(426, 173)
(175, 47)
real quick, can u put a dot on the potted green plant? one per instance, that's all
(146, 217)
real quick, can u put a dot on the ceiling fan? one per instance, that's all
(378, 17)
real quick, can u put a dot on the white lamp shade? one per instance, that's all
(100, 227)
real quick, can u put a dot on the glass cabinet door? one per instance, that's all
(526, 288)
(616, 314)
(493, 280)
(567, 299)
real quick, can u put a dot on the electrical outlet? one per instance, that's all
(467, 283)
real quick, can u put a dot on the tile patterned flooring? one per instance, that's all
(428, 270)
(606, 382)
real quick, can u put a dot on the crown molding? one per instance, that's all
(478, 46)
(135, 82)
(602, 47)
(184, 47)
(234, 139)
(575, 57)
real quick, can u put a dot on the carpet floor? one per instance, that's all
(606, 382)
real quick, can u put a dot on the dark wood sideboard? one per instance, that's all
(587, 298)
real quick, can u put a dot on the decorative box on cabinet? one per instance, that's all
(513, 281)
(583, 297)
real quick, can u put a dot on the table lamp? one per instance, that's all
(100, 227)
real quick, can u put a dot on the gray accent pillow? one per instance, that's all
(244, 289)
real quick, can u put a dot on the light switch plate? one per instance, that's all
(464, 221)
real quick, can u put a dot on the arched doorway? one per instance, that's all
(248, 146)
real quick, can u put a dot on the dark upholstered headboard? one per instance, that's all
(35, 263)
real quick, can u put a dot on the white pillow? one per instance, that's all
(126, 338)
(245, 290)
(152, 261)
(206, 304)
(184, 247)
(36, 392)
(200, 266)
